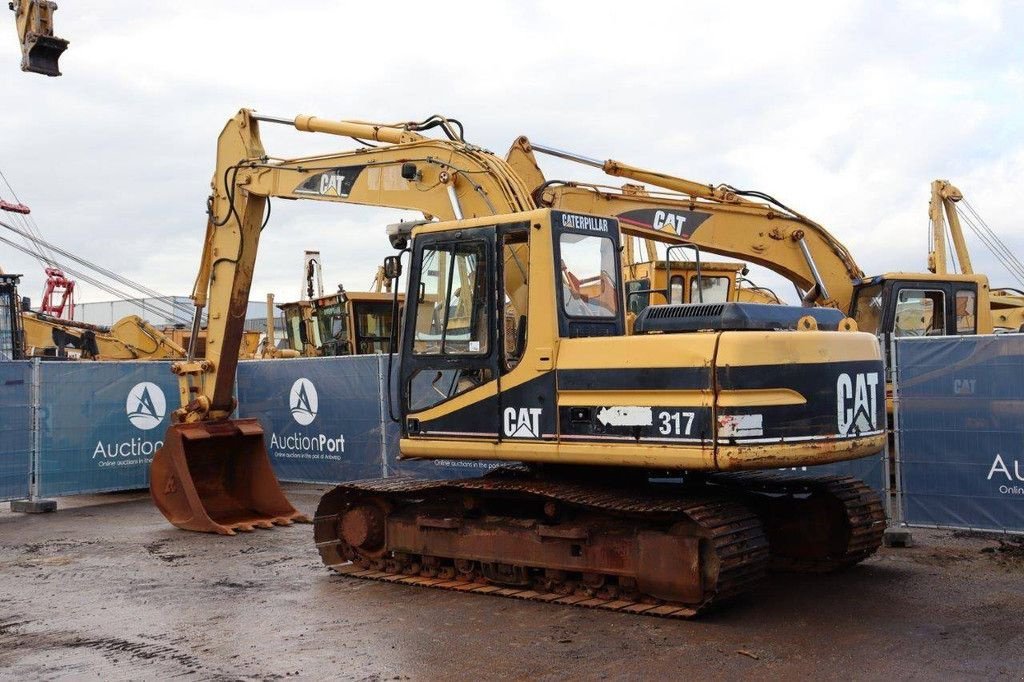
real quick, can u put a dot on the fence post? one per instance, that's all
(383, 393)
(897, 534)
(34, 505)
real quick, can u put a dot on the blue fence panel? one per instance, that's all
(321, 416)
(101, 423)
(961, 431)
(15, 429)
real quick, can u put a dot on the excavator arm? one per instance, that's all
(443, 179)
(213, 474)
(40, 49)
(717, 218)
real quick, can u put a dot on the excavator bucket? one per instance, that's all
(40, 49)
(41, 54)
(216, 477)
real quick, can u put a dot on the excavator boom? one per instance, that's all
(213, 474)
(717, 218)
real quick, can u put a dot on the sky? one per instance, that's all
(845, 111)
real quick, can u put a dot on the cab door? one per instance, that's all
(450, 346)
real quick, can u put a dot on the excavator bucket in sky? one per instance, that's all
(215, 477)
(40, 49)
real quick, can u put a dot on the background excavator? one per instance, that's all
(40, 49)
(342, 323)
(591, 412)
(723, 220)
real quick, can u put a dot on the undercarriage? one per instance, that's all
(670, 547)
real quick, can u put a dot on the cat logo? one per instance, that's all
(663, 219)
(146, 406)
(332, 185)
(303, 401)
(333, 182)
(857, 403)
(522, 422)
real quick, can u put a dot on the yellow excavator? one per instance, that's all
(42, 335)
(647, 474)
(40, 49)
(723, 220)
(130, 338)
(342, 323)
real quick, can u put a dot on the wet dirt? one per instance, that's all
(105, 589)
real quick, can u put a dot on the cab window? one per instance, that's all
(515, 258)
(373, 327)
(451, 303)
(638, 295)
(966, 305)
(868, 308)
(920, 312)
(709, 289)
(589, 277)
(675, 289)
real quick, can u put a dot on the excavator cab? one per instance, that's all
(40, 49)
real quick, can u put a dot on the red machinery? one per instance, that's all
(58, 294)
(59, 291)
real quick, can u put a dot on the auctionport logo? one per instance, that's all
(146, 406)
(303, 401)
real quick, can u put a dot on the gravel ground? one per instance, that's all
(105, 589)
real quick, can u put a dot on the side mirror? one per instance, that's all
(392, 267)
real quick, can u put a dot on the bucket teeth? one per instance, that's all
(264, 524)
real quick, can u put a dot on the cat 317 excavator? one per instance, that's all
(642, 469)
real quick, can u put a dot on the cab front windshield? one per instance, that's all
(332, 321)
(868, 308)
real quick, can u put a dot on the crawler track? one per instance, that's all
(518, 535)
(815, 524)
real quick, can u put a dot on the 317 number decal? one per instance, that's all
(675, 423)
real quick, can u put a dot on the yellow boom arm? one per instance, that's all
(444, 179)
(714, 217)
